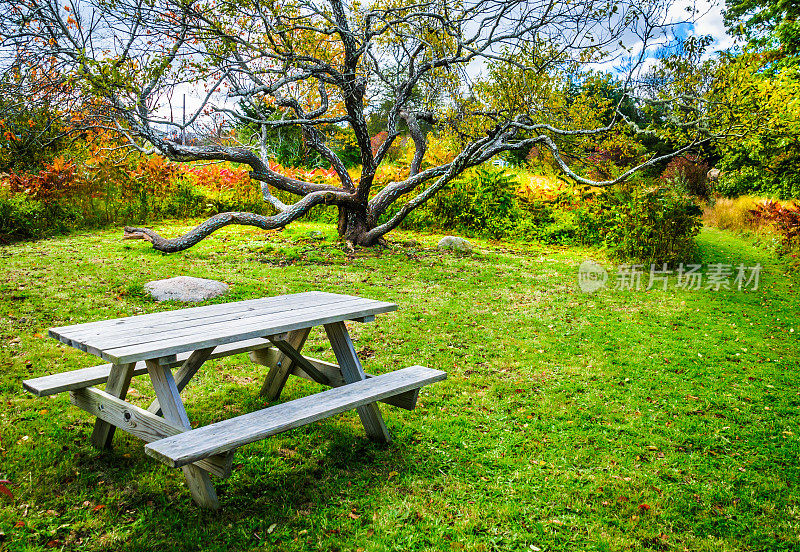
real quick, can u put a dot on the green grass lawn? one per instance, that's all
(620, 420)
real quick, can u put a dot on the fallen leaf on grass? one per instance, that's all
(353, 515)
(271, 528)
(644, 507)
(4, 489)
(98, 507)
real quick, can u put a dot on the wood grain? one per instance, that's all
(139, 423)
(282, 365)
(95, 375)
(197, 479)
(352, 371)
(267, 356)
(185, 373)
(167, 343)
(230, 434)
(119, 380)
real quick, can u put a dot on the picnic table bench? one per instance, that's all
(273, 331)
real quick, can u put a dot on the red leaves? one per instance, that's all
(58, 179)
(302, 174)
(785, 217)
(4, 489)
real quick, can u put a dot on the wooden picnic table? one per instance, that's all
(272, 330)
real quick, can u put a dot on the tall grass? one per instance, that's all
(730, 214)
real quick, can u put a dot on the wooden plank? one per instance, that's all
(95, 375)
(263, 320)
(352, 371)
(185, 373)
(255, 327)
(178, 315)
(266, 357)
(74, 379)
(226, 435)
(119, 380)
(407, 400)
(140, 423)
(364, 319)
(129, 330)
(197, 479)
(279, 371)
(298, 360)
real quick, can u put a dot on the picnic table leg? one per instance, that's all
(119, 380)
(279, 371)
(352, 371)
(169, 399)
(184, 374)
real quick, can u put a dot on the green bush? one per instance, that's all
(647, 224)
(22, 217)
(778, 179)
(482, 202)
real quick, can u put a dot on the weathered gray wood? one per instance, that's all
(128, 330)
(119, 380)
(197, 479)
(131, 331)
(191, 313)
(267, 357)
(168, 343)
(226, 435)
(298, 360)
(352, 371)
(140, 423)
(280, 369)
(364, 319)
(185, 373)
(407, 400)
(95, 375)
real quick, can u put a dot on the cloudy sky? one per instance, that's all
(709, 20)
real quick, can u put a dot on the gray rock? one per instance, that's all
(714, 174)
(454, 243)
(185, 288)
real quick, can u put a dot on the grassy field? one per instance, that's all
(620, 420)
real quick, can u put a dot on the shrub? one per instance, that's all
(56, 180)
(785, 218)
(780, 179)
(482, 202)
(23, 217)
(688, 173)
(652, 225)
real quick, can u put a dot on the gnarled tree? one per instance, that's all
(318, 65)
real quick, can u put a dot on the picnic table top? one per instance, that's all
(162, 334)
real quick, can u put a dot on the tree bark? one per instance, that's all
(354, 225)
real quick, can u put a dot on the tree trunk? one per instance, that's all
(354, 225)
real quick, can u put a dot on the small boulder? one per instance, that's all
(185, 288)
(454, 243)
